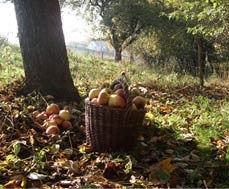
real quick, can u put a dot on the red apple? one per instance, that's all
(52, 109)
(48, 123)
(66, 125)
(52, 130)
(56, 118)
(42, 116)
(116, 101)
(121, 93)
(103, 98)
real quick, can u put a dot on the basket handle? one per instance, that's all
(122, 84)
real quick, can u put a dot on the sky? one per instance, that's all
(75, 28)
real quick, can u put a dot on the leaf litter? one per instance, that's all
(167, 153)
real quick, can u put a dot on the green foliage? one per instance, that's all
(10, 62)
(121, 21)
(126, 20)
(208, 18)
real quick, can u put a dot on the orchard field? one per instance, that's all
(182, 143)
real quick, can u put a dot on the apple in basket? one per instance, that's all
(108, 90)
(94, 93)
(94, 101)
(121, 93)
(139, 101)
(115, 101)
(134, 107)
(103, 98)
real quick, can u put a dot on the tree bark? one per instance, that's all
(43, 49)
(200, 61)
(118, 55)
(116, 44)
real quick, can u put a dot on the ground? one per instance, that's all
(182, 143)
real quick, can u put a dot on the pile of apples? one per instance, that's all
(54, 119)
(114, 99)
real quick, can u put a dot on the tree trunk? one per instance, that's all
(43, 49)
(118, 55)
(116, 44)
(200, 61)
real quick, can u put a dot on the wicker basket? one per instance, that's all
(109, 129)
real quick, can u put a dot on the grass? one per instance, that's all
(186, 117)
(201, 116)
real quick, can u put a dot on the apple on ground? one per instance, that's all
(48, 123)
(56, 118)
(116, 101)
(65, 115)
(94, 93)
(52, 130)
(52, 109)
(42, 116)
(31, 108)
(139, 101)
(103, 98)
(35, 113)
(66, 125)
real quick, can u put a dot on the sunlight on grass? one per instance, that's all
(201, 116)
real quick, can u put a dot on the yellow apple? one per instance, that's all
(116, 101)
(103, 98)
(93, 93)
(108, 90)
(65, 115)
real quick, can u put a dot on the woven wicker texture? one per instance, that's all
(110, 129)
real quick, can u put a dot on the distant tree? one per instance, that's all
(205, 20)
(122, 21)
(43, 48)
(168, 43)
(3, 41)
